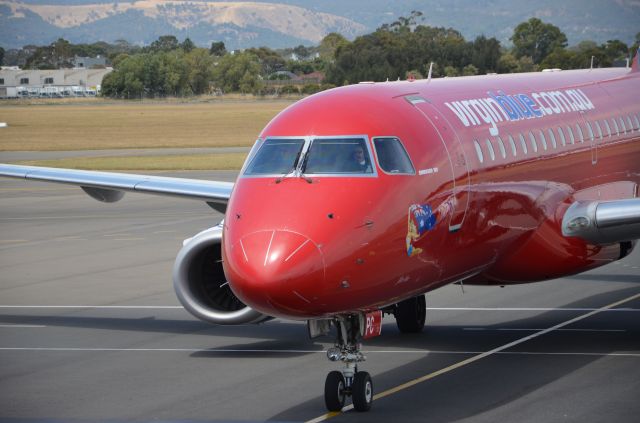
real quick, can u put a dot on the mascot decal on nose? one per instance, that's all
(420, 219)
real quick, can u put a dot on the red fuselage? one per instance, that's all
(497, 160)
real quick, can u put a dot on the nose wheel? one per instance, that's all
(335, 391)
(349, 382)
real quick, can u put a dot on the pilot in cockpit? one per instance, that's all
(358, 162)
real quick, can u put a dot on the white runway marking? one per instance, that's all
(160, 307)
(93, 306)
(22, 326)
(533, 329)
(262, 351)
(526, 309)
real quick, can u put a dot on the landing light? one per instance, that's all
(579, 222)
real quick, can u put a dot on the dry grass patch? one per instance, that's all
(232, 161)
(134, 125)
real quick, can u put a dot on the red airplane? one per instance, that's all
(356, 201)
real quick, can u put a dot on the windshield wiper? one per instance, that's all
(292, 169)
(303, 167)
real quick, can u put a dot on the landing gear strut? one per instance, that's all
(350, 381)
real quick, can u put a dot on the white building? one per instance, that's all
(15, 82)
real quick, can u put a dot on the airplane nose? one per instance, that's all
(275, 271)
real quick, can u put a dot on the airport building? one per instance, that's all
(77, 82)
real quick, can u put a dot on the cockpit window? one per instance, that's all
(337, 156)
(392, 156)
(276, 157)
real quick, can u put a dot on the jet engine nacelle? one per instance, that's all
(201, 286)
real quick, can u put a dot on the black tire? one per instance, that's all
(334, 391)
(362, 391)
(411, 314)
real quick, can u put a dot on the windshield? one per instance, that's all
(319, 156)
(276, 157)
(392, 157)
(337, 156)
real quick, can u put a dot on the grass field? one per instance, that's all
(96, 125)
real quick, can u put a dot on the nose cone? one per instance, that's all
(276, 272)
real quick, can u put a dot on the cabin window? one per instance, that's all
(563, 140)
(532, 140)
(580, 134)
(615, 125)
(607, 127)
(276, 157)
(553, 138)
(503, 152)
(590, 131)
(492, 154)
(630, 124)
(544, 140)
(392, 157)
(623, 129)
(572, 139)
(340, 156)
(513, 146)
(523, 144)
(478, 151)
(598, 129)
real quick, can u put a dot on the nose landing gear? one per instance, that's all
(350, 382)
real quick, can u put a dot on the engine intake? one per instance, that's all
(201, 286)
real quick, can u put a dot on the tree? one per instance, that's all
(159, 73)
(165, 43)
(236, 69)
(301, 51)
(485, 53)
(469, 70)
(559, 58)
(403, 24)
(54, 56)
(537, 39)
(270, 61)
(330, 44)
(187, 45)
(218, 48)
(200, 65)
(585, 51)
(616, 50)
(1, 56)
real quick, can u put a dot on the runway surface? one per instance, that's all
(90, 330)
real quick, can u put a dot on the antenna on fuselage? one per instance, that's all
(430, 71)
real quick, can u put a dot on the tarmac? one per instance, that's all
(91, 330)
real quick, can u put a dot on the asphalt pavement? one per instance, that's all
(91, 330)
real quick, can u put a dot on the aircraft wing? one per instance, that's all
(110, 187)
(603, 222)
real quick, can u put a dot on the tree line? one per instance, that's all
(400, 49)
